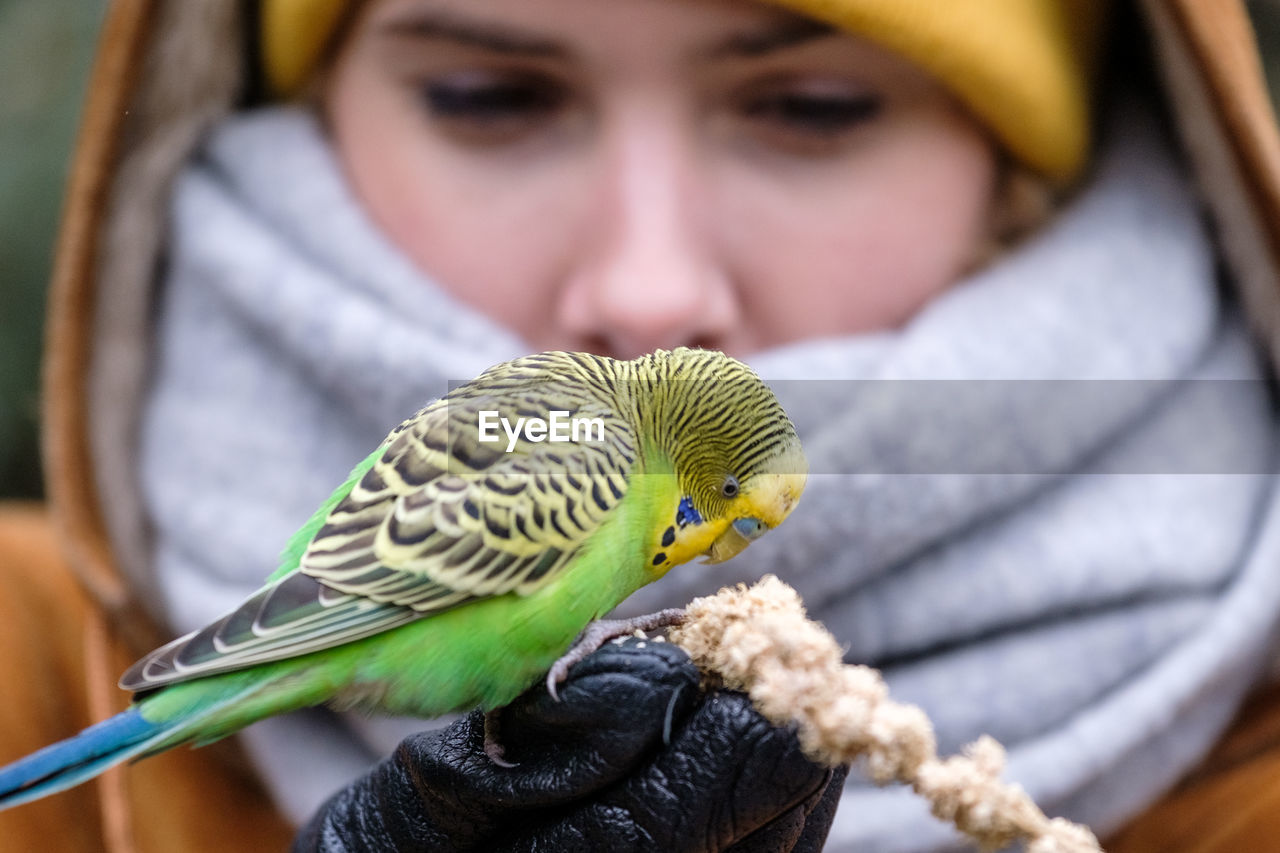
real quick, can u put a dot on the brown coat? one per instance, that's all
(57, 643)
(76, 611)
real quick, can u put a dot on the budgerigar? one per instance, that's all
(459, 561)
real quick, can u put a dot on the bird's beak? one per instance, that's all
(735, 539)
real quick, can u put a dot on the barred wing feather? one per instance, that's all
(437, 520)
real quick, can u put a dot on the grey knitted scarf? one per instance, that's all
(1044, 507)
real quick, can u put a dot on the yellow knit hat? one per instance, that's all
(294, 34)
(1022, 66)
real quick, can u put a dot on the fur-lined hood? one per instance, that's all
(169, 69)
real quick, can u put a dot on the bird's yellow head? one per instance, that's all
(738, 463)
(765, 500)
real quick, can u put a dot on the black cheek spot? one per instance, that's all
(659, 558)
(668, 536)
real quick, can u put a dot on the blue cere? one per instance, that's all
(686, 514)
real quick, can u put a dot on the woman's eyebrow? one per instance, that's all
(474, 33)
(793, 31)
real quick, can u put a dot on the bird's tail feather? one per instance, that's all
(78, 759)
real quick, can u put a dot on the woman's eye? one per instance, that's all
(809, 121)
(820, 114)
(488, 108)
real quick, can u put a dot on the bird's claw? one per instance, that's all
(492, 746)
(602, 631)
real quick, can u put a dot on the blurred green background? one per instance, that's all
(46, 48)
(1266, 20)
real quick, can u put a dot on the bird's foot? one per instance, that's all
(602, 631)
(492, 746)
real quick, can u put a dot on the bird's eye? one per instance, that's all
(730, 487)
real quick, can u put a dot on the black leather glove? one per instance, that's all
(634, 757)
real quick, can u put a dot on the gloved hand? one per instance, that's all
(634, 757)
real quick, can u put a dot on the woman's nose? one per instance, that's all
(649, 274)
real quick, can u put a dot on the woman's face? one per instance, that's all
(625, 175)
